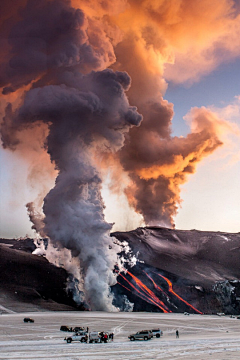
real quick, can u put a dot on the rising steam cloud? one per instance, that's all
(66, 66)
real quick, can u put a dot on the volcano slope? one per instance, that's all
(30, 282)
(187, 270)
(166, 270)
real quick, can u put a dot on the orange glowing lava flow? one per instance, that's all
(142, 296)
(149, 293)
(155, 285)
(170, 289)
(144, 293)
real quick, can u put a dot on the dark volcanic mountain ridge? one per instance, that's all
(202, 268)
(200, 256)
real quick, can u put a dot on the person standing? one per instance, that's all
(177, 334)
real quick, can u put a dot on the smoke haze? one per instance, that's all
(85, 81)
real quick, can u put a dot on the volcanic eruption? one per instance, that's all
(85, 80)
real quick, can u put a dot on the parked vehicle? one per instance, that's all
(95, 337)
(80, 336)
(66, 328)
(141, 335)
(27, 320)
(78, 328)
(157, 333)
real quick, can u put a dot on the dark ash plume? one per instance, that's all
(87, 114)
(54, 60)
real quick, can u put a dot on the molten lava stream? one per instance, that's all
(150, 293)
(143, 297)
(155, 285)
(147, 292)
(170, 289)
(154, 300)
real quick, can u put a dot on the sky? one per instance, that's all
(211, 196)
(184, 66)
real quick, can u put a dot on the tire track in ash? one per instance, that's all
(118, 329)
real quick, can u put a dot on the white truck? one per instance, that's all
(157, 332)
(81, 336)
(95, 337)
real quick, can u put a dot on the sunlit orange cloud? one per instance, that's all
(157, 41)
(154, 41)
(207, 129)
(158, 167)
(193, 36)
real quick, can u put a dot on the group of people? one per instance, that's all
(106, 336)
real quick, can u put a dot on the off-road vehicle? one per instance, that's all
(26, 320)
(80, 336)
(95, 336)
(141, 335)
(78, 328)
(157, 332)
(65, 328)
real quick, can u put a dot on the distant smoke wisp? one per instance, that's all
(64, 67)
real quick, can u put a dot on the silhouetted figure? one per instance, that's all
(177, 334)
(102, 336)
(105, 338)
(87, 329)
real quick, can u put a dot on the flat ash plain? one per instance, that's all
(202, 337)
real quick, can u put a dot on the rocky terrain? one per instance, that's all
(29, 281)
(175, 271)
(202, 267)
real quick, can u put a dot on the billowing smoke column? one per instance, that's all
(63, 68)
(162, 164)
(162, 39)
(86, 114)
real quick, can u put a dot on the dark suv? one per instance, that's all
(65, 328)
(78, 328)
(28, 320)
(141, 335)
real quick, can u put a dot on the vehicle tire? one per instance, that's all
(83, 340)
(145, 338)
(90, 341)
(157, 335)
(132, 338)
(69, 340)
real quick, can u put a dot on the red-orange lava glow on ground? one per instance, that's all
(144, 292)
(139, 289)
(170, 289)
